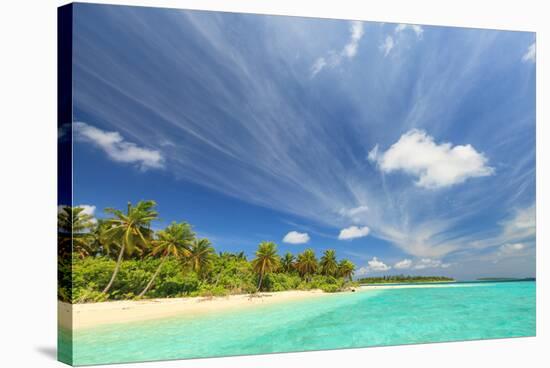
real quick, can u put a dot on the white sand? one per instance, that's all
(94, 314)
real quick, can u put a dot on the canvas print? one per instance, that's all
(235, 184)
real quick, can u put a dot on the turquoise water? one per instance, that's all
(346, 320)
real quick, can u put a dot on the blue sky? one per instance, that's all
(407, 149)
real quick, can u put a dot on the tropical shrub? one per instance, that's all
(281, 282)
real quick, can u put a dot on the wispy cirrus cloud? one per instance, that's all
(404, 264)
(387, 45)
(519, 227)
(417, 29)
(392, 40)
(531, 54)
(511, 248)
(430, 263)
(354, 214)
(349, 51)
(259, 132)
(117, 148)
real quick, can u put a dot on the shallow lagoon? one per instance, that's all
(342, 320)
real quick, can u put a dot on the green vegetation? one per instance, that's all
(266, 261)
(130, 232)
(403, 279)
(121, 257)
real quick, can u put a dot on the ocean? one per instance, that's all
(456, 312)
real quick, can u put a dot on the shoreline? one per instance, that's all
(123, 311)
(87, 315)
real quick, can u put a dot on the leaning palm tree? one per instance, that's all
(306, 264)
(266, 260)
(74, 228)
(287, 262)
(200, 255)
(130, 230)
(346, 269)
(174, 241)
(329, 265)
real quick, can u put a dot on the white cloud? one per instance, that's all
(117, 149)
(348, 51)
(430, 263)
(373, 154)
(280, 168)
(521, 226)
(374, 265)
(391, 42)
(387, 45)
(319, 64)
(356, 30)
(87, 209)
(434, 165)
(353, 232)
(403, 265)
(531, 54)
(295, 237)
(511, 248)
(416, 28)
(517, 234)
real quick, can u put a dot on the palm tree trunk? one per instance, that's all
(153, 278)
(119, 260)
(260, 282)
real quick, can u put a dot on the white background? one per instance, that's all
(28, 181)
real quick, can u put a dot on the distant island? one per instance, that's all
(403, 279)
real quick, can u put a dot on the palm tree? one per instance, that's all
(346, 269)
(241, 256)
(174, 241)
(329, 265)
(104, 246)
(130, 230)
(200, 255)
(287, 262)
(266, 260)
(306, 264)
(74, 228)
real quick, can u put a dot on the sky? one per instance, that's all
(408, 149)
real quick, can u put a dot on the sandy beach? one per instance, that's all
(95, 314)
